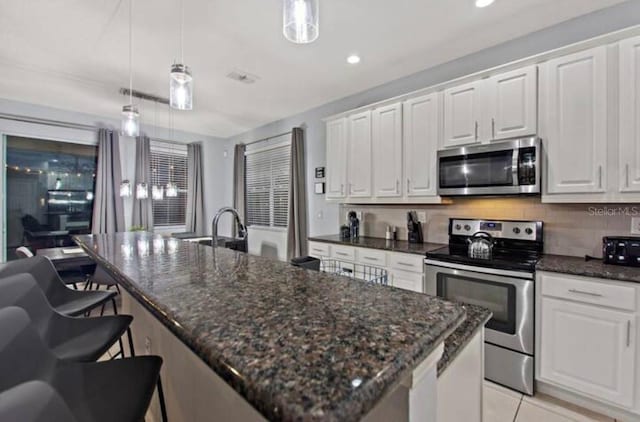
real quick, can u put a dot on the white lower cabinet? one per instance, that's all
(587, 340)
(407, 280)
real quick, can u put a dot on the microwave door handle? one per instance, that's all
(515, 162)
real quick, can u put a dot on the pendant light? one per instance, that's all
(142, 191)
(130, 117)
(125, 189)
(301, 21)
(157, 193)
(172, 188)
(180, 79)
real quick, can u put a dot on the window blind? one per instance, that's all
(169, 164)
(267, 186)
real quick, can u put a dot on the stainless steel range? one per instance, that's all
(492, 264)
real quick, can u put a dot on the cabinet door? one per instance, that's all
(407, 280)
(574, 121)
(462, 114)
(337, 159)
(588, 349)
(512, 104)
(359, 167)
(630, 115)
(387, 150)
(421, 119)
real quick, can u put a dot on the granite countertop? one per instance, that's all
(476, 318)
(592, 268)
(296, 344)
(402, 246)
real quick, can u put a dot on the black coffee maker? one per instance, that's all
(414, 228)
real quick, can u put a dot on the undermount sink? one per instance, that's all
(229, 243)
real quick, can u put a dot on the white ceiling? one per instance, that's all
(73, 54)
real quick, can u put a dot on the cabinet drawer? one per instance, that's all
(343, 253)
(587, 290)
(406, 262)
(371, 257)
(407, 280)
(319, 249)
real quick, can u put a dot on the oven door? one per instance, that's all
(508, 295)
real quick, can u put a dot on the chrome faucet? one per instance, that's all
(242, 231)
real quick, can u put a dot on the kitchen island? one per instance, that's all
(261, 339)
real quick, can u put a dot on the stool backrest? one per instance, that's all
(22, 290)
(24, 252)
(42, 270)
(33, 401)
(23, 355)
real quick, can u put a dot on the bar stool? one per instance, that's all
(116, 390)
(77, 339)
(33, 401)
(63, 299)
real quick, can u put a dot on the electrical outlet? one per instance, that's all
(422, 216)
(147, 345)
(635, 225)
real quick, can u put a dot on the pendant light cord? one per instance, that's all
(182, 32)
(131, 52)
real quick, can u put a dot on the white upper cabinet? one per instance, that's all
(387, 150)
(573, 123)
(462, 114)
(421, 123)
(336, 159)
(629, 130)
(512, 102)
(360, 155)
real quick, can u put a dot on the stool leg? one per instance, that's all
(131, 349)
(115, 308)
(163, 407)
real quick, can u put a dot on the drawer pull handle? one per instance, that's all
(628, 333)
(406, 264)
(342, 254)
(370, 258)
(318, 250)
(582, 292)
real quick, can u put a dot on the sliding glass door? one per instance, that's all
(48, 192)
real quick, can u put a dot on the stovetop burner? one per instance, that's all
(517, 245)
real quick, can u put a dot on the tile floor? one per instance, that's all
(504, 405)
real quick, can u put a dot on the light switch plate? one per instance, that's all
(422, 216)
(147, 345)
(635, 225)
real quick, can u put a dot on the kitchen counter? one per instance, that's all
(295, 344)
(593, 268)
(402, 246)
(475, 319)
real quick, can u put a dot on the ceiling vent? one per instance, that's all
(244, 77)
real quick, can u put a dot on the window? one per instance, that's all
(169, 164)
(49, 192)
(267, 186)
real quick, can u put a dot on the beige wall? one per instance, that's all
(569, 229)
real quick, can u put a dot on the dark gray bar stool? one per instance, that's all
(63, 299)
(117, 390)
(78, 339)
(34, 401)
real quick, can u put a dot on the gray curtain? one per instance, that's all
(297, 230)
(108, 210)
(195, 193)
(239, 184)
(142, 208)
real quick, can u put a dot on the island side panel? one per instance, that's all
(193, 392)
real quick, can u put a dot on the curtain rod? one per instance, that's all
(270, 138)
(47, 122)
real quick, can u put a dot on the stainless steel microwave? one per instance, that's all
(500, 168)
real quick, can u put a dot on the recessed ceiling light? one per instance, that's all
(483, 3)
(353, 59)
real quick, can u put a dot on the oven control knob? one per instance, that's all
(467, 227)
(516, 230)
(458, 227)
(528, 231)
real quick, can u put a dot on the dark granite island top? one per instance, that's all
(296, 344)
(401, 246)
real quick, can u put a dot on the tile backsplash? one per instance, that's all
(569, 229)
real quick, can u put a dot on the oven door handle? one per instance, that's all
(515, 163)
(483, 270)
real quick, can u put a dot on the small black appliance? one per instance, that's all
(621, 250)
(414, 228)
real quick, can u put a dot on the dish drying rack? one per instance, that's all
(363, 272)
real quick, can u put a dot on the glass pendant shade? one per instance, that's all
(130, 121)
(181, 87)
(301, 21)
(157, 193)
(172, 190)
(125, 189)
(142, 191)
